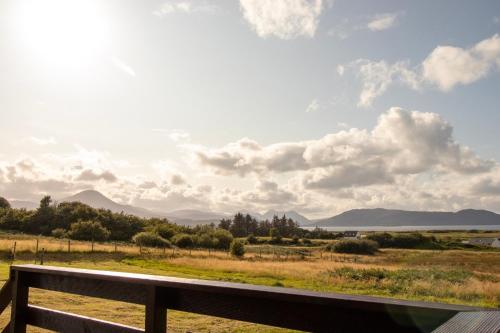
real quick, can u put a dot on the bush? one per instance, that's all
(224, 238)
(237, 248)
(88, 230)
(151, 240)
(164, 230)
(206, 240)
(355, 246)
(59, 233)
(306, 241)
(404, 241)
(183, 240)
(251, 239)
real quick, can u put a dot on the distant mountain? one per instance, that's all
(196, 215)
(18, 204)
(300, 219)
(392, 218)
(96, 199)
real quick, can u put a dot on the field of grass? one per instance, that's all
(452, 276)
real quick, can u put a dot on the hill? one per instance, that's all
(392, 218)
(300, 219)
(98, 200)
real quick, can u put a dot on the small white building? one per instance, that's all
(351, 235)
(491, 242)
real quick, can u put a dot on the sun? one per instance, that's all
(61, 33)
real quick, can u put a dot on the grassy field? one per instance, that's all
(452, 276)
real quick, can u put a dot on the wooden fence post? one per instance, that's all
(41, 257)
(14, 251)
(92, 249)
(115, 248)
(69, 246)
(156, 314)
(19, 304)
(36, 250)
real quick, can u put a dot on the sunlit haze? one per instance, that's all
(313, 106)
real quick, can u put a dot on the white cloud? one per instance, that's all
(285, 19)
(445, 67)
(448, 66)
(376, 77)
(91, 176)
(382, 22)
(185, 7)
(123, 66)
(401, 143)
(313, 106)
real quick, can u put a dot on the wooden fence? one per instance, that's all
(280, 307)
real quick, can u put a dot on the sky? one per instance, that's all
(316, 106)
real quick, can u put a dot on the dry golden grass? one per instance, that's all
(478, 272)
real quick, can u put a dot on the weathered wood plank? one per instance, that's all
(156, 313)
(5, 295)
(117, 290)
(19, 302)
(59, 321)
(281, 307)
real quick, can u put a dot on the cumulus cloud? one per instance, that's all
(92, 176)
(402, 143)
(382, 22)
(448, 66)
(285, 19)
(445, 67)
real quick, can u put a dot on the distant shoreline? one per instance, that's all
(409, 228)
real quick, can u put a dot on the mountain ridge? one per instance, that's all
(396, 217)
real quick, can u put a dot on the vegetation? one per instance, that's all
(237, 248)
(404, 241)
(88, 230)
(150, 239)
(355, 246)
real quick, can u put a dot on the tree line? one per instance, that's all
(79, 221)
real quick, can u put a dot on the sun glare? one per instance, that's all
(61, 33)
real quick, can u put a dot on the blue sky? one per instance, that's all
(318, 106)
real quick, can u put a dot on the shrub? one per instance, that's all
(59, 233)
(223, 238)
(206, 240)
(183, 240)
(151, 240)
(88, 230)
(355, 246)
(237, 248)
(306, 241)
(404, 241)
(295, 240)
(251, 239)
(164, 230)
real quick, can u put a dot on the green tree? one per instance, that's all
(183, 240)
(224, 238)
(150, 239)
(88, 230)
(4, 203)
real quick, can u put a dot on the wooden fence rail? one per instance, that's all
(280, 307)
